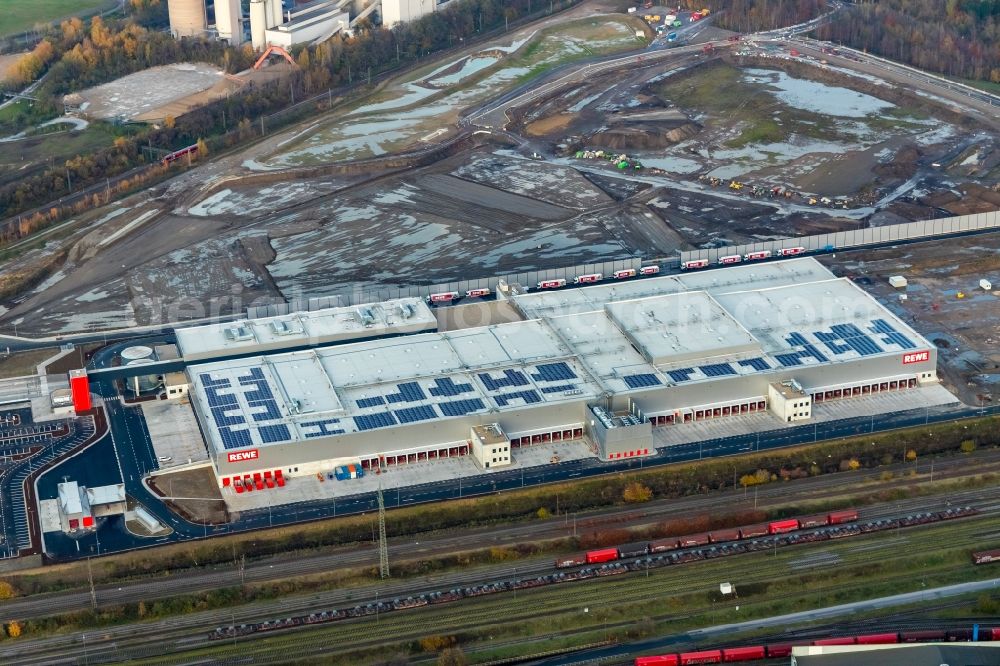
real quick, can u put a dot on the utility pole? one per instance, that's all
(93, 592)
(383, 546)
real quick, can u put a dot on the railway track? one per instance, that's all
(276, 568)
(123, 642)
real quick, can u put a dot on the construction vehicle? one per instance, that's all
(736, 185)
(812, 201)
(826, 201)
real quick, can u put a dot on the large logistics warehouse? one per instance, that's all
(608, 362)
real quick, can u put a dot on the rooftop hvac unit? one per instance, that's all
(239, 333)
(285, 327)
(366, 317)
(406, 310)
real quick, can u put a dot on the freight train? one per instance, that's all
(718, 536)
(754, 538)
(755, 652)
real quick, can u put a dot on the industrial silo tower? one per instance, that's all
(187, 17)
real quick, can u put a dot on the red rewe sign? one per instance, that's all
(916, 357)
(243, 456)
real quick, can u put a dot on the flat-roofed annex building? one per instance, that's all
(608, 361)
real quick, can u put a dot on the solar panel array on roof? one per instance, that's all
(460, 407)
(717, 370)
(808, 348)
(220, 418)
(641, 380)
(853, 338)
(208, 382)
(755, 363)
(408, 392)
(558, 389)
(371, 402)
(553, 372)
(216, 399)
(372, 421)
(235, 439)
(412, 414)
(325, 427)
(892, 336)
(510, 379)
(444, 387)
(681, 375)
(529, 397)
(270, 412)
(269, 434)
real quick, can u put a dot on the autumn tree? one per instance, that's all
(7, 590)
(636, 492)
(14, 629)
(452, 656)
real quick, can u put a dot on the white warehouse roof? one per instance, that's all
(404, 315)
(744, 320)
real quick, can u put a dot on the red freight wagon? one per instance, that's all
(703, 657)
(663, 545)
(840, 640)
(603, 555)
(779, 650)
(814, 521)
(658, 660)
(995, 633)
(846, 516)
(782, 526)
(693, 540)
(719, 536)
(753, 531)
(878, 639)
(986, 556)
(743, 653)
(571, 561)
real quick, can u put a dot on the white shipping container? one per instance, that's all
(986, 284)
(897, 281)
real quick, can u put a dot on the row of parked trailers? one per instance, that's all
(755, 652)
(591, 571)
(557, 283)
(731, 259)
(718, 536)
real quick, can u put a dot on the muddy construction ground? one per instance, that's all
(739, 145)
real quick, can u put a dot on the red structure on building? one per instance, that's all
(80, 387)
